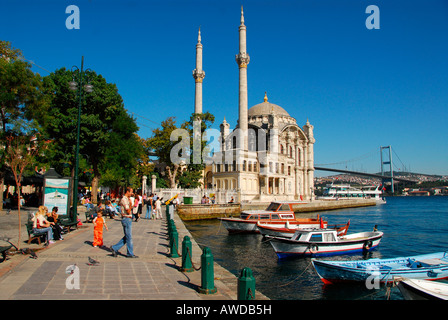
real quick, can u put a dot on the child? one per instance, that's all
(98, 223)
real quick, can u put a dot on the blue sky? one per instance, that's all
(360, 88)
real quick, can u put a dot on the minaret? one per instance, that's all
(198, 75)
(242, 59)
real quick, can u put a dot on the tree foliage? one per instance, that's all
(107, 135)
(22, 101)
(187, 175)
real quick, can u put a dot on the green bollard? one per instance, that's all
(207, 273)
(246, 285)
(171, 226)
(174, 244)
(187, 264)
(167, 212)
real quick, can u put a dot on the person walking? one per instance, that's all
(139, 206)
(99, 222)
(148, 207)
(158, 209)
(126, 222)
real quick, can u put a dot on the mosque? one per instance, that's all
(268, 156)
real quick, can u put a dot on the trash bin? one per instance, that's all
(188, 200)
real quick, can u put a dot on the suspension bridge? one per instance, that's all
(387, 167)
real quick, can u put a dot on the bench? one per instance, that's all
(31, 235)
(67, 223)
(90, 215)
(3, 250)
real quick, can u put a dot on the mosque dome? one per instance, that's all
(266, 108)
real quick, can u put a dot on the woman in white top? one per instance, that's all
(41, 224)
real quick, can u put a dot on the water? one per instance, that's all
(411, 226)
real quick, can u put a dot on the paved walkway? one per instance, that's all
(154, 275)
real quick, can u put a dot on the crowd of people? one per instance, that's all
(129, 208)
(150, 204)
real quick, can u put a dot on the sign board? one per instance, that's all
(56, 194)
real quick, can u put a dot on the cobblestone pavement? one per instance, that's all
(153, 275)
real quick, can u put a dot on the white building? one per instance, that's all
(267, 156)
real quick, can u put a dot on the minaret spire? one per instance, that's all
(242, 59)
(198, 75)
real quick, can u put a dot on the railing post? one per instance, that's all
(174, 243)
(246, 285)
(187, 264)
(207, 273)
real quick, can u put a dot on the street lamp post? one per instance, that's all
(87, 88)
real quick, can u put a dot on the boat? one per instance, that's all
(433, 266)
(346, 191)
(324, 242)
(417, 289)
(277, 214)
(288, 230)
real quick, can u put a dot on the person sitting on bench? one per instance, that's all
(41, 224)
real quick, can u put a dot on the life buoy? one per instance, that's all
(367, 245)
(313, 248)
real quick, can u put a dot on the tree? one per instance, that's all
(21, 100)
(162, 145)
(19, 155)
(191, 177)
(107, 138)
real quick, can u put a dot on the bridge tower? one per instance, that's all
(386, 161)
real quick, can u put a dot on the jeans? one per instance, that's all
(148, 211)
(48, 231)
(127, 239)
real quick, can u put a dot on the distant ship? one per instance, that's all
(345, 191)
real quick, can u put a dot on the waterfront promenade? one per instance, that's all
(154, 275)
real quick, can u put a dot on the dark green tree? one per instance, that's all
(21, 101)
(107, 139)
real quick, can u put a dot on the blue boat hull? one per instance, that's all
(428, 267)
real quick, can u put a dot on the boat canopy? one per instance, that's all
(315, 235)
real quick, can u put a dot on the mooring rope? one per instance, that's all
(284, 285)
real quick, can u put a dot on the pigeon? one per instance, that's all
(33, 254)
(92, 262)
(70, 269)
(30, 252)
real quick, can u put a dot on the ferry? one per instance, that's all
(277, 214)
(346, 191)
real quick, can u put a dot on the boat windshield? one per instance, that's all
(322, 237)
(244, 216)
(273, 207)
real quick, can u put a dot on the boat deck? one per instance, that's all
(433, 261)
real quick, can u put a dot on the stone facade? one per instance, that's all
(267, 156)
